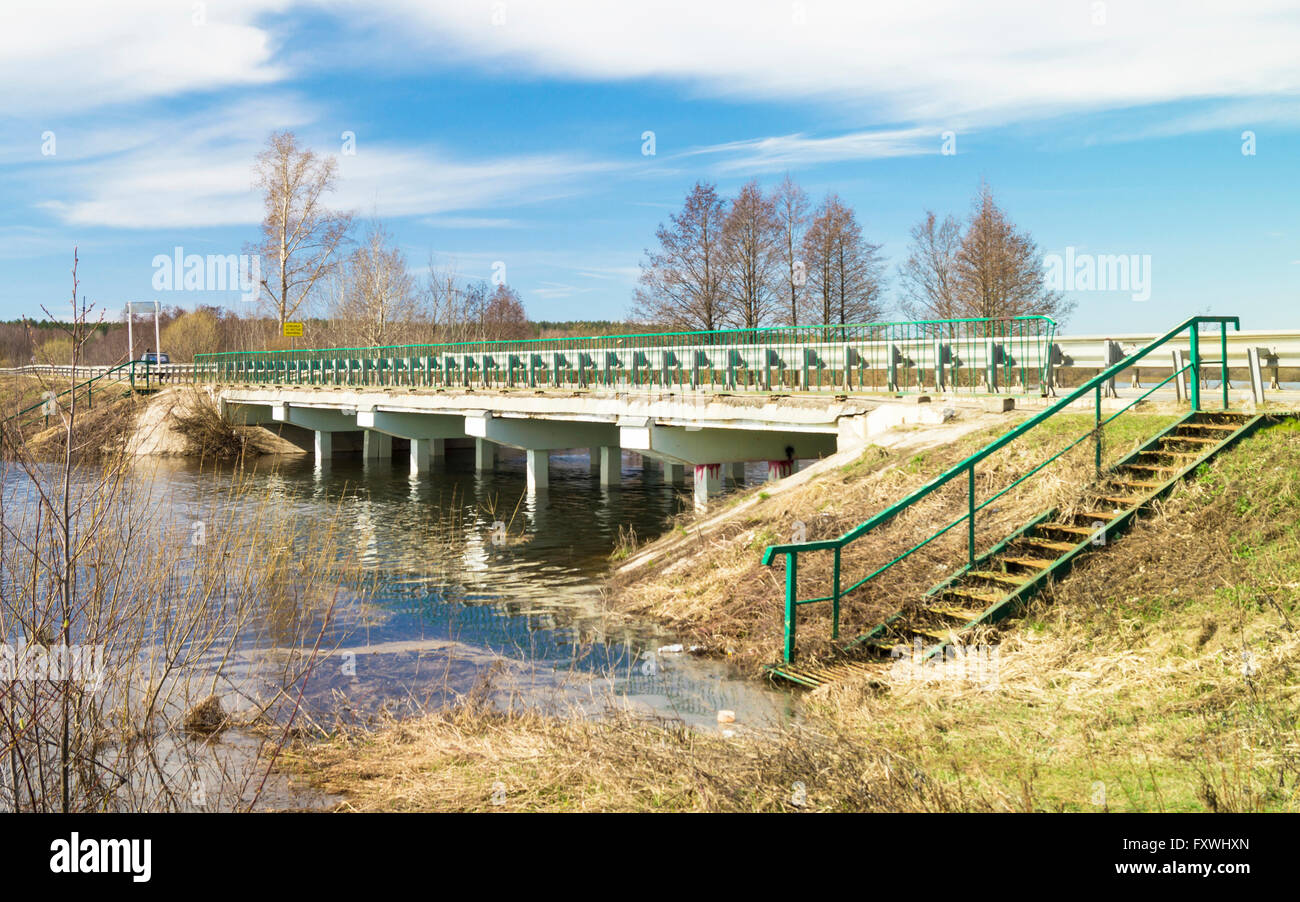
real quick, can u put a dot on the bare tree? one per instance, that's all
(681, 283)
(999, 270)
(929, 282)
(845, 271)
(301, 238)
(503, 317)
(379, 299)
(750, 257)
(790, 207)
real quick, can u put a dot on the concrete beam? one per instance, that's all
(315, 418)
(412, 425)
(678, 444)
(540, 435)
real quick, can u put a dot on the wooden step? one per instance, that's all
(1150, 467)
(1036, 563)
(1191, 438)
(956, 613)
(1048, 543)
(1103, 516)
(1135, 484)
(1073, 530)
(1222, 427)
(998, 576)
(1120, 499)
(984, 597)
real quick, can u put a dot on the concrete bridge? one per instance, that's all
(702, 437)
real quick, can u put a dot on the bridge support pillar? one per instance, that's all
(708, 482)
(538, 468)
(485, 454)
(377, 445)
(611, 465)
(674, 473)
(779, 469)
(437, 450)
(421, 455)
(737, 471)
(324, 446)
(593, 457)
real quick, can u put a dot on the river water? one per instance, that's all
(515, 591)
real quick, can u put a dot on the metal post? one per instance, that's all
(1223, 360)
(1194, 340)
(1096, 434)
(970, 515)
(835, 597)
(791, 580)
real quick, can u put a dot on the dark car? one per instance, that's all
(154, 357)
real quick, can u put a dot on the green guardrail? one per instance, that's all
(792, 552)
(990, 354)
(141, 375)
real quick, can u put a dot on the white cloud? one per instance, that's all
(908, 62)
(58, 57)
(780, 152)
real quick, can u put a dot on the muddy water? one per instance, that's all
(468, 576)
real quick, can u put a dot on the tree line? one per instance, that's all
(774, 259)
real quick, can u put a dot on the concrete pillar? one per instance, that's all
(437, 450)
(611, 465)
(779, 469)
(674, 473)
(593, 458)
(737, 471)
(420, 456)
(538, 466)
(485, 454)
(324, 446)
(708, 482)
(377, 445)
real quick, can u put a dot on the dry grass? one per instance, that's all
(717, 594)
(1160, 675)
(476, 758)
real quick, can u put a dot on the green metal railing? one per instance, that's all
(991, 355)
(1093, 386)
(138, 374)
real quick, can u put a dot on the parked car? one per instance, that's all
(154, 357)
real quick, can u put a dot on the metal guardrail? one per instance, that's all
(1094, 386)
(991, 355)
(138, 375)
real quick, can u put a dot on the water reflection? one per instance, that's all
(455, 594)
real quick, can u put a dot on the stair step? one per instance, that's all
(1135, 484)
(1151, 467)
(1104, 516)
(956, 613)
(1120, 499)
(932, 634)
(1073, 530)
(1222, 427)
(1034, 562)
(986, 597)
(998, 576)
(1048, 543)
(1191, 438)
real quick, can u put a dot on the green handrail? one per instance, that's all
(967, 467)
(897, 356)
(129, 366)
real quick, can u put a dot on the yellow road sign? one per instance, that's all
(292, 330)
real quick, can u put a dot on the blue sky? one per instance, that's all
(512, 132)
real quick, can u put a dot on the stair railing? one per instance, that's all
(791, 552)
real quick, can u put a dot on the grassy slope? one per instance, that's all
(1160, 675)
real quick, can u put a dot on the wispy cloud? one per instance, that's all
(779, 152)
